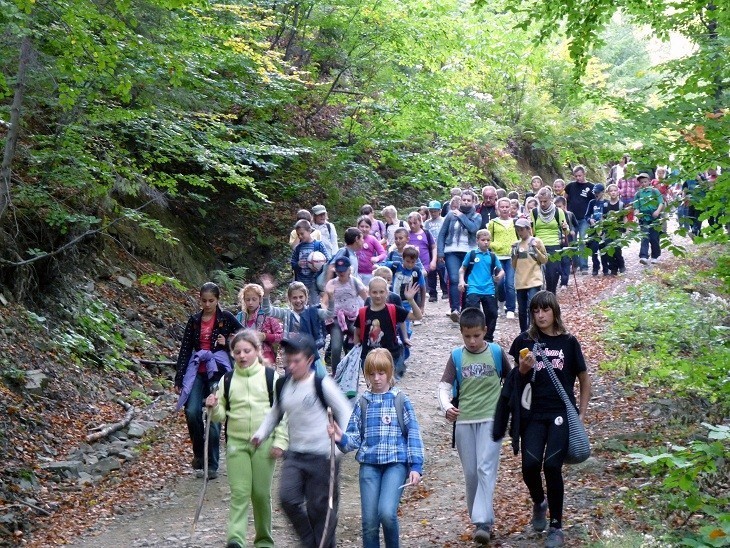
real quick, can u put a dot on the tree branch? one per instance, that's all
(115, 426)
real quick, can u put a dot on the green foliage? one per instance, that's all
(158, 279)
(673, 338)
(231, 280)
(687, 481)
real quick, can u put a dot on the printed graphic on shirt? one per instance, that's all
(376, 334)
(556, 357)
(478, 369)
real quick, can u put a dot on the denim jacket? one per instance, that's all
(471, 221)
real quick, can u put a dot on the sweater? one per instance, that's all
(503, 236)
(248, 406)
(469, 222)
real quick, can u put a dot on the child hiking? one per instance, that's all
(305, 473)
(242, 401)
(475, 371)
(384, 430)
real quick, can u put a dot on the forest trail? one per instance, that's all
(435, 513)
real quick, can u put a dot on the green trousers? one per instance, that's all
(250, 472)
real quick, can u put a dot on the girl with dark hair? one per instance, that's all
(202, 361)
(539, 421)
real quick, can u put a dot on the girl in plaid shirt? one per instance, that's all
(388, 458)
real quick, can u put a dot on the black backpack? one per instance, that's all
(317, 387)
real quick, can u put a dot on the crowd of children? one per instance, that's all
(490, 260)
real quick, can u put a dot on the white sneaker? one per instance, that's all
(655, 261)
(510, 315)
(454, 316)
(644, 261)
(417, 322)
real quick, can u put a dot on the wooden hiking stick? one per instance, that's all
(201, 498)
(331, 505)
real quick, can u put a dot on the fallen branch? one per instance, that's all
(156, 362)
(104, 432)
(33, 506)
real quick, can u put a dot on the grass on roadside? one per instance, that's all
(672, 334)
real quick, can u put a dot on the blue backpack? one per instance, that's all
(456, 357)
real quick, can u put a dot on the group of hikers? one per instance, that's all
(489, 259)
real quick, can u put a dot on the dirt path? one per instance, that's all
(435, 514)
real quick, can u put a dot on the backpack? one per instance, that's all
(317, 388)
(399, 397)
(472, 262)
(268, 371)
(456, 387)
(391, 312)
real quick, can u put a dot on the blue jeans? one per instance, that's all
(582, 229)
(524, 296)
(379, 500)
(453, 264)
(506, 288)
(434, 276)
(202, 388)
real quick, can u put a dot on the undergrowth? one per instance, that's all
(672, 333)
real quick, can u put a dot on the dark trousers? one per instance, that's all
(489, 305)
(611, 263)
(595, 247)
(304, 495)
(202, 388)
(524, 296)
(544, 445)
(649, 238)
(552, 269)
(435, 276)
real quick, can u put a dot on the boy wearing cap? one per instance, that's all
(343, 297)
(327, 230)
(433, 226)
(304, 480)
(648, 206)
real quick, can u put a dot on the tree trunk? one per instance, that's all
(14, 131)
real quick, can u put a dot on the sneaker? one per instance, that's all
(433, 299)
(539, 519)
(622, 270)
(554, 538)
(583, 271)
(445, 297)
(199, 473)
(417, 322)
(233, 544)
(510, 315)
(483, 534)
(595, 272)
(644, 260)
(197, 463)
(564, 287)
(212, 474)
(654, 261)
(454, 316)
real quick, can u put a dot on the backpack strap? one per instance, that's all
(320, 391)
(470, 265)
(399, 399)
(269, 372)
(497, 357)
(278, 388)
(456, 358)
(391, 313)
(361, 316)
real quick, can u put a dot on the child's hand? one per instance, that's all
(211, 400)
(414, 478)
(407, 342)
(462, 286)
(276, 452)
(527, 360)
(221, 340)
(262, 336)
(268, 283)
(452, 414)
(255, 441)
(410, 291)
(334, 431)
(303, 263)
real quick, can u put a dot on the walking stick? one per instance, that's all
(201, 498)
(330, 507)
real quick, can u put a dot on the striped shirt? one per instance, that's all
(383, 441)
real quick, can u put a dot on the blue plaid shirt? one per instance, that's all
(383, 442)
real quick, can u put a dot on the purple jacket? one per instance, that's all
(214, 362)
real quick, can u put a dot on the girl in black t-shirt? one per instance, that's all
(542, 423)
